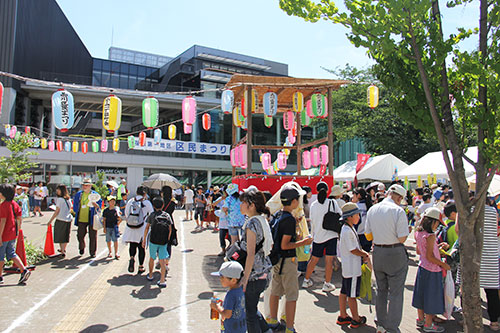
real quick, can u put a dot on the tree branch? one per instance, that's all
(468, 159)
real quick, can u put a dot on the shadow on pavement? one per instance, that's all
(212, 263)
(65, 263)
(97, 328)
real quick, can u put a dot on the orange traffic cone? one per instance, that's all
(20, 251)
(48, 249)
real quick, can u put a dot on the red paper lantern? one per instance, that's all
(142, 139)
(59, 145)
(85, 147)
(206, 121)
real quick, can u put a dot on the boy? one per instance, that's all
(111, 219)
(232, 311)
(199, 203)
(123, 204)
(285, 281)
(160, 224)
(351, 255)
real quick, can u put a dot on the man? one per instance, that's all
(122, 189)
(84, 212)
(188, 203)
(387, 225)
(39, 195)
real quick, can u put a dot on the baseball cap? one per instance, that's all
(350, 209)
(111, 197)
(230, 269)
(398, 189)
(432, 212)
(289, 193)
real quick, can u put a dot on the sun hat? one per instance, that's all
(111, 197)
(350, 209)
(432, 212)
(337, 190)
(87, 181)
(381, 187)
(230, 269)
(398, 189)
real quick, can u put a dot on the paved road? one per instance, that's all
(77, 294)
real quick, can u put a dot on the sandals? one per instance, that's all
(140, 270)
(110, 255)
(117, 256)
(494, 326)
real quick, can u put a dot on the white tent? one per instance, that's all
(380, 168)
(494, 188)
(433, 164)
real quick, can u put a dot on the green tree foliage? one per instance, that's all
(15, 167)
(439, 88)
(100, 186)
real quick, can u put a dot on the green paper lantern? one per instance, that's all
(150, 107)
(268, 121)
(95, 146)
(304, 118)
(131, 142)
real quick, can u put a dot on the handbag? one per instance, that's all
(331, 220)
(97, 222)
(236, 252)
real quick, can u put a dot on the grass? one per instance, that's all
(34, 254)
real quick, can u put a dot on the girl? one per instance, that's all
(63, 217)
(428, 295)
(258, 265)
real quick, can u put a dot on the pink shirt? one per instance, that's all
(421, 237)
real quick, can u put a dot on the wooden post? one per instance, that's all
(299, 142)
(233, 141)
(330, 132)
(249, 129)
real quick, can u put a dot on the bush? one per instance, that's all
(33, 254)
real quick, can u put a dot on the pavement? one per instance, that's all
(81, 294)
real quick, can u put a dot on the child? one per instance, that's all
(111, 219)
(223, 228)
(123, 204)
(160, 224)
(232, 311)
(351, 255)
(199, 203)
(428, 293)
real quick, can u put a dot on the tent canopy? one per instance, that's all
(380, 168)
(433, 164)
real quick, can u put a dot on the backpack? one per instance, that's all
(274, 223)
(442, 234)
(160, 226)
(135, 218)
(331, 220)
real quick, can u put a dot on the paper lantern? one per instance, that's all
(306, 159)
(372, 96)
(189, 110)
(227, 101)
(188, 129)
(315, 157)
(157, 136)
(270, 104)
(266, 160)
(294, 129)
(104, 145)
(150, 107)
(255, 100)
(27, 130)
(288, 119)
(7, 130)
(142, 139)
(116, 144)
(17, 136)
(43, 143)
(172, 129)
(13, 132)
(323, 155)
(59, 146)
(131, 142)
(1, 96)
(63, 110)
(206, 121)
(85, 147)
(234, 157)
(95, 146)
(241, 115)
(243, 108)
(242, 156)
(318, 104)
(76, 146)
(304, 119)
(281, 160)
(309, 111)
(298, 102)
(67, 146)
(52, 145)
(236, 117)
(111, 113)
(268, 121)
(291, 138)
(36, 142)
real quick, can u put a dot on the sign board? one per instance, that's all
(187, 147)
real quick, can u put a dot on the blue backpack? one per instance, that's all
(274, 223)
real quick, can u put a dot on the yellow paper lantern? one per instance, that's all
(172, 131)
(255, 100)
(298, 102)
(372, 96)
(116, 144)
(236, 117)
(43, 143)
(111, 113)
(76, 146)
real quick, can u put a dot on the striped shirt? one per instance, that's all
(489, 271)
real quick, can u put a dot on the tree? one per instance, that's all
(15, 167)
(406, 41)
(100, 185)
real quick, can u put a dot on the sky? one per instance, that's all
(256, 28)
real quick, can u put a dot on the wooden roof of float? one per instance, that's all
(284, 87)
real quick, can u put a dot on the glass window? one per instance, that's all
(115, 81)
(124, 68)
(97, 64)
(105, 80)
(142, 71)
(96, 78)
(124, 81)
(115, 67)
(106, 65)
(133, 69)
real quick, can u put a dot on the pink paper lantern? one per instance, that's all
(104, 146)
(266, 161)
(52, 145)
(306, 159)
(242, 156)
(291, 137)
(189, 110)
(315, 157)
(309, 110)
(234, 156)
(288, 120)
(13, 131)
(188, 128)
(281, 160)
(323, 154)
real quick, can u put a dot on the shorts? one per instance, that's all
(111, 234)
(38, 203)
(318, 249)
(286, 283)
(188, 207)
(234, 231)
(160, 250)
(8, 250)
(350, 286)
(199, 211)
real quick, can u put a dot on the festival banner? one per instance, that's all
(188, 147)
(362, 160)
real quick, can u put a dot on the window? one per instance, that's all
(106, 65)
(115, 81)
(97, 64)
(115, 67)
(124, 81)
(142, 71)
(124, 68)
(133, 70)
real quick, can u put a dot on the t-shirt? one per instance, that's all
(318, 211)
(64, 206)
(189, 195)
(287, 226)
(111, 216)
(9, 231)
(387, 222)
(262, 263)
(235, 301)
(351, 263)
(84, 212)
(235, 218)
(421, 238)
(200, 204)
(39, 193)
(421, 209)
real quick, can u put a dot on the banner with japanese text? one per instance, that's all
(188, 147)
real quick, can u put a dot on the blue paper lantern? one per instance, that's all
(67, 146)
(157, 136)
(36, 142)
(63, 110)
(270, 104)
(227, 101)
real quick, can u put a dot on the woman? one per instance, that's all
(63, 217)
(232, 209)
(257, 241)
(168, 207)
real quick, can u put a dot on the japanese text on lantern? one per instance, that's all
(107, 104)
(64, 108)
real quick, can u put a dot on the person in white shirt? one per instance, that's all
(189, 204)
(63, 218)
(324, 240)
(336, 193)
(39, 195)
(424, 205)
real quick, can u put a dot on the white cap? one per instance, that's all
(398, 189)
(432, 212)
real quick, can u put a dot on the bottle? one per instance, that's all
(214, 314)
(307, 248)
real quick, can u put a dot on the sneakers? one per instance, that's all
(420, 323)
(307, 284)
(273, 323)
(149, 278)
(358, 323)
(380, 329)
(24, 276)
(131, 265)
(327, 286)
(433, 328)
(1, 279)
(343, 320)
(161, 284)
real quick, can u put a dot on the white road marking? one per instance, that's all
(25, 316)
(183, 316)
